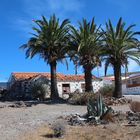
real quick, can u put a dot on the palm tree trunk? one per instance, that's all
(118, 81)
(54, 90)
(88, 79)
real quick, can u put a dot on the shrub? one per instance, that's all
(58, 129)
(107, 90)
(39, 91)
(135, 106)
(3, 94)
(80, 98)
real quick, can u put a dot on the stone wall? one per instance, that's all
(77, 85)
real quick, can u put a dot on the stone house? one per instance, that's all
(20, 82)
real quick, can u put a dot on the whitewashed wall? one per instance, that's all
(133, 90)
(97, 85)
(74, 85)
(124, 89)
(109, 82)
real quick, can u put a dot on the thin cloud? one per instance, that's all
(33, 9)
(46, 7)
(23, 26)
(133, 66)
(71, 6)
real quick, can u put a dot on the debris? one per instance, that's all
(133, 116)
(129, 125)
(108, 117)
(116, 101)
(75, 120)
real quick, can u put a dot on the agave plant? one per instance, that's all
(97, 109)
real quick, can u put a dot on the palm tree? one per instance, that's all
(51, 43)
(119, 45)
(85, 49)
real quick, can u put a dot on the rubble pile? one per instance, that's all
(133, 117)
(127, 118)
(18, 104)
(75, 119)
(116, 101)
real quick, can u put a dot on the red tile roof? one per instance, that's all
(60, 76)
(111, 78)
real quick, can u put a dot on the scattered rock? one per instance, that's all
(116, 101)
(108, 117)
(119, 116)
(20, 104)
(75, 120)
(133, 116)
(2, 106)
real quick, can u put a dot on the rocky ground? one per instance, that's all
(14, 121)
(16, 118)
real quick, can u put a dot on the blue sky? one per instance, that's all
(16, 23)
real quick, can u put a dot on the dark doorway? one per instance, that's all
(65, 88)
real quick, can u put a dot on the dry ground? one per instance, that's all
(15, 122)
(108, 132)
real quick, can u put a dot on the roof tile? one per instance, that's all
(60, 76)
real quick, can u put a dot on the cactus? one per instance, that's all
(96, 108)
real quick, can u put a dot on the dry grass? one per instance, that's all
(108, 132)
(135, 106)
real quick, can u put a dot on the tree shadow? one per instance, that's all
(51, 136)
(48, 136)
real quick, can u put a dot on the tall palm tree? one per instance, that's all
(119, 45)
(85, 49)
(51, 42)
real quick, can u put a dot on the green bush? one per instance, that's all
(39, 91)
(80, 98)
(107, 90)
(58, 129)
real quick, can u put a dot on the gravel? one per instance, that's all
(16, 121)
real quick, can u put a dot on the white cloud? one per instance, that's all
(72, 5)
(36, 8)
(25, 25)
(33, 9)
(133, 66)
